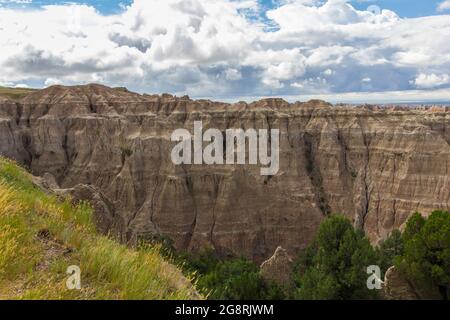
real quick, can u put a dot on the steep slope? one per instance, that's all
(40, 237)
(375, 165)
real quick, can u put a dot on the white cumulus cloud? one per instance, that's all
(223, 48)
(431, 80)
(444, 5)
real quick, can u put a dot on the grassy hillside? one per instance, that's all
(40, 237)
(15, 93)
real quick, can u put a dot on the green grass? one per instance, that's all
(34, 267)
(15, 93)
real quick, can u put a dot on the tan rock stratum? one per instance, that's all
(396, 287)
(375, 165)
(278, 269)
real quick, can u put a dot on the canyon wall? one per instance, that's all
(375, 165)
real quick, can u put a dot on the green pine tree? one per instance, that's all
(334, 265)
(426, 260)
(390, 249)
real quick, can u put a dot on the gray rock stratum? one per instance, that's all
(375, 165)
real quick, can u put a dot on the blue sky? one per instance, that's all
(404, 8)
(233, 49)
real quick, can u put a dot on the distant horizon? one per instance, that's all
(351, 98)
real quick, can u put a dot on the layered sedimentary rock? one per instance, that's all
(102, 209)
(279, 269)
(397, 287)
(375, 165)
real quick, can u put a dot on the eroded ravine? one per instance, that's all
(377, 166)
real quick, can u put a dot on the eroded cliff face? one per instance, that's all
(376, 166)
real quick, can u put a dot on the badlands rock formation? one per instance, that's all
(279, 269)
(397, 287)
(377, 166)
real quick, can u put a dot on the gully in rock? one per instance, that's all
(236, 144)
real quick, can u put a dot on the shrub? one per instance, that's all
(232, 279)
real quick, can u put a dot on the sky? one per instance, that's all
(404, 8)
(337, 50)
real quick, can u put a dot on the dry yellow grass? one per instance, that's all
(15, 93)
(41, 236)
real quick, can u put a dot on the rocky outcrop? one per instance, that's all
(103, 209)
(375, 165)
(279, 269)
(46, 183)
(396, 287)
